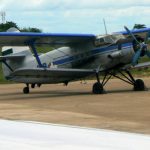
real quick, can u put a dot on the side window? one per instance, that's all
(99, 42)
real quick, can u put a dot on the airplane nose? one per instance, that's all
(140, 47)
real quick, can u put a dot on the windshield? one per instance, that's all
(108, 39)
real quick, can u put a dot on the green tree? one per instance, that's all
(139, 26)
(31, 30)
(5, 26)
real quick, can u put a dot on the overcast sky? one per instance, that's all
(77, 16)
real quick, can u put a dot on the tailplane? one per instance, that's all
(13, 56)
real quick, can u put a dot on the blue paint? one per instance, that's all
(135, 31)
(64, 60)
(36, 55)
(44, 65)
(31, 34)
(44, 38)
(92, 52)
(37, 35)
(100, 50)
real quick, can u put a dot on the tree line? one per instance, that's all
(5, 26)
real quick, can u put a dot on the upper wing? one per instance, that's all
(143, 33)
(25, 39)
(22, 39)
(124, 36)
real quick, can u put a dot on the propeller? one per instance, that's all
(142, 48)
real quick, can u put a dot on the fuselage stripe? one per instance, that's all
(92, 53)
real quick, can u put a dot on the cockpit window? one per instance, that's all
(108, 39)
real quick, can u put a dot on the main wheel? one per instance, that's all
(139, 85)
(26, 90)
(98, 88)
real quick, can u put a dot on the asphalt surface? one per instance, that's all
(120, 109)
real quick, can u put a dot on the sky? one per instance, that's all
(77, 16)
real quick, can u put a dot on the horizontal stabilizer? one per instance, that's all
(11, 57)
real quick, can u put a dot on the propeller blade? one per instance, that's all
(136, 57)
(143, 47)
(130, 33)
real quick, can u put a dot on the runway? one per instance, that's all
(120, 109)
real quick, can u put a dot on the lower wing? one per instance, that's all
(138, 66)
(53, 72)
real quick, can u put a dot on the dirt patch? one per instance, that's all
(119, 109)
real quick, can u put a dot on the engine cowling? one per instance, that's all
(122, 56)
(116, 54)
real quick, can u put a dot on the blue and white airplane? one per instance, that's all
(78, 56)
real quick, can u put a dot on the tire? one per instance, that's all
(98, 88)
(33, 86)
(26, 90)
(139, 85)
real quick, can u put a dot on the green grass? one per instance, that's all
(2, 79)
(44, 49)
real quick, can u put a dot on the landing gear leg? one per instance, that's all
(125, 75)
(98, 87)
(138, 85)
(26, 89)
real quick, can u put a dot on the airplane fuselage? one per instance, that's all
(77, 57)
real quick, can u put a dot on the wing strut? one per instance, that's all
(36, 54)
(4, 61)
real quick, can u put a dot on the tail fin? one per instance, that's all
(13, 56)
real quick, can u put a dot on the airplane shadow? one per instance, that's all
(57, 94)
(42, 95)
(126, 91)
(123, 91)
